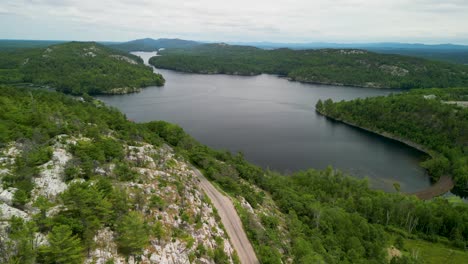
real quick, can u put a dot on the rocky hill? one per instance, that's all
(80, 182)
(181, 222)
(78, 68)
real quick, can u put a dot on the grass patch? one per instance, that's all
(424, 251)
(434, 253)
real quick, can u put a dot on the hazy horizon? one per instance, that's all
(242, 42)
(293, 21)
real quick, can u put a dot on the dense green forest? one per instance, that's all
(331, 217)
(449, 55)
(439, 52)
(77, 68)
(327, 66)
(33, 118)
(421, 116)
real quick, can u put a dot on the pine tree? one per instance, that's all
(20, 247)
(64, 247)
(132, 233)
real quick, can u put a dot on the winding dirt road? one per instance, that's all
(231, 221)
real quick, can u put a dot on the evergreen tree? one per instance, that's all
(64, 247)
(23, 249)
(132, 233)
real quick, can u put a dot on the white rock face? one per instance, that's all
(50, 182)
(171, 253)
(142, 155)
(246, 205)
(173, 182)
(90, 54)
(4, 172)
(8, 212)
(47, 52)
(351, 52)
(106, 248)
(186, 216)
(7, 195)
(394, 70)
(8, 155)
(124, 58)
(40, 240)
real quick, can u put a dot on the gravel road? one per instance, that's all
(231, 221)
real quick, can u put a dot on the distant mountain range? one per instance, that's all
(149, 44)
(323, 45)
(146, 44)
(442, 52)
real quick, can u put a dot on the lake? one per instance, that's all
(273, 122)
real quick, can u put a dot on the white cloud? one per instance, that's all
(241, 20)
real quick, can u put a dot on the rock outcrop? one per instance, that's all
(167, 192)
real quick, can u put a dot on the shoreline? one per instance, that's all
(291, 79)
(442, 186)
(279, 76)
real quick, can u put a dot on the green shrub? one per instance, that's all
(157, 202)
(124, 172)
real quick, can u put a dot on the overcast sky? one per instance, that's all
(426, 21)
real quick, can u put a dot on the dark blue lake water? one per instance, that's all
(273, 122)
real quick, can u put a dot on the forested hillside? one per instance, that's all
(428, 117)
(77, 68)
(449, 55)
(98, 187)
(81, 184)
(327, 66)
(440, 52)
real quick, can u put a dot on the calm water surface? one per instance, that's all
(273, 122)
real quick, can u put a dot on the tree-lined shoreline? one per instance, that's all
(442, 186)
(420, 119)
(345, 67)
